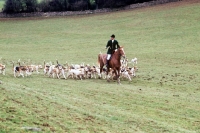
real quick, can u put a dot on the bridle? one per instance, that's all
(124, 56)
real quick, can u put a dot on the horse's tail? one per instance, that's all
(99, 59)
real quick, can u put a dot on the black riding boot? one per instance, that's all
(107, 63)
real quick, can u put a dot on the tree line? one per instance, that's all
(28, 6)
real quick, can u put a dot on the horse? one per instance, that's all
(114, 62)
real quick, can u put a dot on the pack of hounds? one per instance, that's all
(74, 71)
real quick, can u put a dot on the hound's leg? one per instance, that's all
(80, 76)
(4, 72)
(63, 73)
(94, 75)
(37, 71)
(128, 76)
(21, 74)
(57, 76)
(14, 74)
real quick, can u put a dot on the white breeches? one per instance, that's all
(108, 56)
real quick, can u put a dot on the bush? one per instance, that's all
(53, 5)
(80, 5)
(12, 6)
(30, 5)
(17, 6)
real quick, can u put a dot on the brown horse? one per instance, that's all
(114, 62)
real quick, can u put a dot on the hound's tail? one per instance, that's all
(44, 64)
(13, 64)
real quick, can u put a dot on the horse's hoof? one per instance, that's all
(118, 81)
(108, 80)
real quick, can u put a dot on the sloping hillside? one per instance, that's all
(163, 97)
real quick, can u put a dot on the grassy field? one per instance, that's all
(163, 97)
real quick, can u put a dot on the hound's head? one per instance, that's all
(40, 66)
(60, 67)
(2, 67)
(135, 68)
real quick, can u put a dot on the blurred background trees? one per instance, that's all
(17, 6)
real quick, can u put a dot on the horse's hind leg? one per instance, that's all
(101, 68)
(107, 76)
(118, 81)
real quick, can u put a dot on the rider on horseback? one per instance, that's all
(112, 45)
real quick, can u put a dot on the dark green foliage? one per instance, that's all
(44, 6)
(116, 3)
(17, 6)
(53, 5)
(13, 6)
(80, 5)
(30, 5)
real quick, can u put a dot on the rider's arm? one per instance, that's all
(118, 45)
(107, 46)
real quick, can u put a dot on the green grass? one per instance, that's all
(1, 4)
(163, 97)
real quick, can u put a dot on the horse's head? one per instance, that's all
(121, 52)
